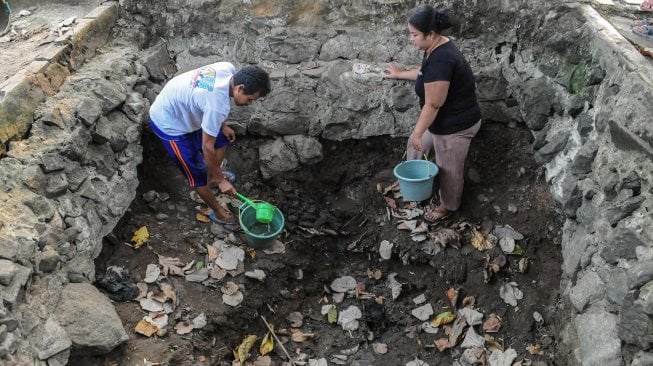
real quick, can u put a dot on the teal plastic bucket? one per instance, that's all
(416, 179)
(259, 235)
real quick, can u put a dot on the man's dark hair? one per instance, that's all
(254, 79)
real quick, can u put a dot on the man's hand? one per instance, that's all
(226, 187)
(229, 133)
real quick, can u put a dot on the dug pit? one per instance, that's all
(338, 218)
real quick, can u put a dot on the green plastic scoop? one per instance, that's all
(264, 210)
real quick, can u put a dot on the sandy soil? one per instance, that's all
(340, 194)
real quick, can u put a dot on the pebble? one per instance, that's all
(512, 208)
(161, 216)
(149, 196)
(482, 198)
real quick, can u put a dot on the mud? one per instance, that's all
(340, 194)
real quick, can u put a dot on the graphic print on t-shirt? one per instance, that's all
(204, 78)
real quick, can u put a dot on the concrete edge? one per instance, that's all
(21, 94)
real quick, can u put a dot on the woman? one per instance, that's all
(450, 115)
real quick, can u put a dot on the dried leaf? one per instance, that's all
(376, 274)
(267, 344)
(332, 315)
(380, 348)
(184, 327)
(140, 237)
(443, 318)
(171, 266)
(442, 344)
(202, 217)
(469, 301)
(218, 273)
(479, 241)
(523, 264)
(518, 250)
(409, 225)
(212, 253)
(262, 361)
(241, 353)
(492, 324)
(446, 237)
(452, 295)
(338, 297)
(390, 202)
(457, 330)
(146, 328)
(299, 336)
(169, 291)
(534, 349)
(491, 343)
(229, 288)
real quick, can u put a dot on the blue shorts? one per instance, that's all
(186, 152)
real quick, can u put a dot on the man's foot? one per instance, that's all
(229, 223)
(435, 214)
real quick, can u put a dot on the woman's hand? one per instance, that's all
(416, 140)
(393, 71)
(229, 133)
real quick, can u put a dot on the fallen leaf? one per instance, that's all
(510, 293)
(443, 318)
(202, 217)
(442, 344)
(394, 285)
(218, 273)
(376, 274)
(295, 319)
(518, 250)
(380, 348)
(199, 265)
(457, 330)
(469, 301)
(140, 237)
(332, 315)
(534, 349)
(338, 297)
(169, 291)
(390, 202)
(409, 225)
(452, 295)
(262, 361)
(472, 339)
(423, 312)
(241, 353)
(523, 264)
(171, 266)
(229, 288)
(267, 344)
(146, 328)
(446, 237)
(142, 287)
(233, 300)
(212, 253)
(299, 336)
(184, 327)
(491, 343)
(479, 241)
(492, 324)
(498, 358)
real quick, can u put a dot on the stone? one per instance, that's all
(609, 186)
(576, 106)
(103, 159)
(646, 298)
(584, 158)
(584, 125)
(102, 133)
(52, 162)
(40, 207)
(136, 108)
(7, 272)
(88, 110)
(588, 289)
(276, 157)
(52, 341)
(33, 178)
(48, 261)
(640, 273)
(555, 144)
(616, 214)
(76, 144)
(634, 324)
(622, 246)
(56, 186)
(9, 345)
(537, 98)
(616, 284)
(626, 140)
(632, 182)
(12, 291)
(76, 177)
(597, 335)
(642, 359)
(3, 332)
(89, 319)
(402, 98)
(158, 63)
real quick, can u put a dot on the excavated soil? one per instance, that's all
(339, 196)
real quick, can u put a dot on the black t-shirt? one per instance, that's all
(460, 110)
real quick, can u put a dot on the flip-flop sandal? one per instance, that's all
(441, 216)
(5, 18)
(229, 175)
(645, 21)
(228, 226)
(643, 30)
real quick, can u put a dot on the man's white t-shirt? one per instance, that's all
(195, 99)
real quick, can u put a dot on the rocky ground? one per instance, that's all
(337, 222)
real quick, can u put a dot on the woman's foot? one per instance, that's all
(435, 214)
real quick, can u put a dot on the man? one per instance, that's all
(189, 117)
